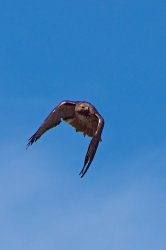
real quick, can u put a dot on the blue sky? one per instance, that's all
(112, 54)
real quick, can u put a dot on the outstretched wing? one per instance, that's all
(64, 110)
(93, 145)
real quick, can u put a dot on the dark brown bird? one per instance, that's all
(84, 117)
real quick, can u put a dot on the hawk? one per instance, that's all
(84, 117)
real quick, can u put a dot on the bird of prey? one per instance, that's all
(84, 117)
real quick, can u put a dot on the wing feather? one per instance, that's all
(64, 110)
(93, 146)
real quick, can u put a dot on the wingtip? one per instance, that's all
(31, 140)
(81, 174)
(83, 171)
(29, 144)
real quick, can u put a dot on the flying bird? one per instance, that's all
(84, 117)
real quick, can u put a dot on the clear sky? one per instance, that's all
(112, 54)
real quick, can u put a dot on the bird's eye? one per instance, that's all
(83, 107)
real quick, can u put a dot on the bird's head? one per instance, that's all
(82, 108)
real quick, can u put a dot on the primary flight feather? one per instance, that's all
(84, 117)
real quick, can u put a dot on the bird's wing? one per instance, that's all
(64, 110)
(93, 145)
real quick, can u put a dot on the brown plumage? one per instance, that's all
(84, 117)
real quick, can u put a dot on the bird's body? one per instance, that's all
(83, 116)
(84, 121)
